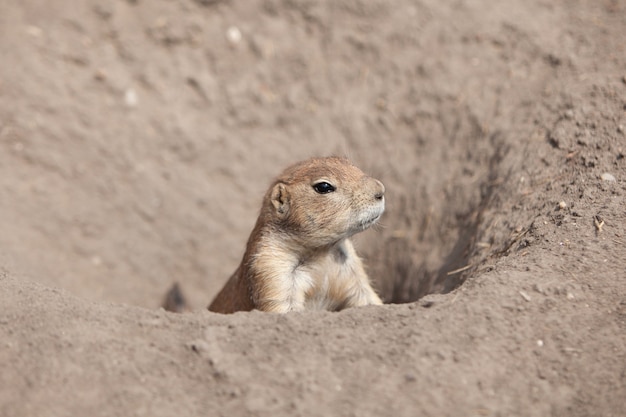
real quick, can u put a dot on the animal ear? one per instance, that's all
(280, 199)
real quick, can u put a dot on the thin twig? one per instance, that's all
(456, 271)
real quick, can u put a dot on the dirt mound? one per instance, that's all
(137, 139)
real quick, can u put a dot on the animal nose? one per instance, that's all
(380, 190)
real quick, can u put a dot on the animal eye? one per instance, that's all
(324, 187)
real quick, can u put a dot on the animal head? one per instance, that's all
(323, 200)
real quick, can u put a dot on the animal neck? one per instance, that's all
(286, 250)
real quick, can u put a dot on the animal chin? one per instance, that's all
(364, 224)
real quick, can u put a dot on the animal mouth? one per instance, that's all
(364, 224)
(366, 218)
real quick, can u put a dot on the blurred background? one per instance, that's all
(137, 138)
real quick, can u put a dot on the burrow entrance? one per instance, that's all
(436, 207)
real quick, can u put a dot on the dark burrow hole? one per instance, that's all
(431, 238)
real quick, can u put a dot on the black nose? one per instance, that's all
(380, 191)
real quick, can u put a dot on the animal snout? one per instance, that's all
(379, 190)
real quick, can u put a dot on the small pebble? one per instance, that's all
(233, 34)
(607, 177)
(410, 378)
(562, 205)
(539, 342)
(100, 75)
(130, 98)
(34, 31)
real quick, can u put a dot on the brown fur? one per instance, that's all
(299, 255)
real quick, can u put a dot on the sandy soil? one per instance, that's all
(137, 139)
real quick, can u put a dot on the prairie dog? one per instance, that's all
(299, 255)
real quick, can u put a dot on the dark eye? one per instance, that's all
(323, 187)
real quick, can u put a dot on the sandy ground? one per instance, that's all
(137, 139)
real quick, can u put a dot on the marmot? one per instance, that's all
(299, 255)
